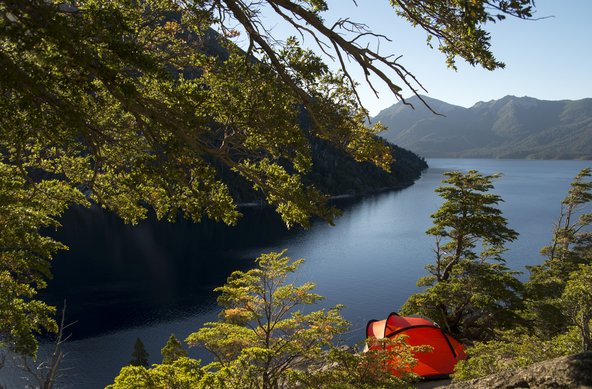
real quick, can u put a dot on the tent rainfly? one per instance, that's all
(437, 364)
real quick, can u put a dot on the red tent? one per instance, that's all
(436, 364)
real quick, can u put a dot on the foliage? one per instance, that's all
(27, 206)
(139, 355)
(264, 340)
(386, 363)
(514, 350)
(558, 306)
(576, 301)
(183, 373)
(458, 25)
(571, 247)
(263, 336)
(172, 350)
(469, 293)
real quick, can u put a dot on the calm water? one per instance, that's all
(155, 279)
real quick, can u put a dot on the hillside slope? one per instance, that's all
(511, 127)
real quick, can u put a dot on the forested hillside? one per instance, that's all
(511, 127)
(336, 173)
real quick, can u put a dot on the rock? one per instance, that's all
(574, 371)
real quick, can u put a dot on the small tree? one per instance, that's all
(577, 302)
(386, 363)
(172, 350)
(513, 350)
(571, 246)
(139, 355)
(468, 291)
(262, 336)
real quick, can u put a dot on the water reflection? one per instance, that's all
(117, 276)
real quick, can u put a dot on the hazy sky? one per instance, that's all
(547, 59)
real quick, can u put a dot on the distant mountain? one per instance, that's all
(511, 127)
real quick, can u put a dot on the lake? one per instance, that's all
(149, 281)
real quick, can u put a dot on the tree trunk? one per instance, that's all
(586, 336)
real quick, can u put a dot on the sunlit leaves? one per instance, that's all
(25, 208)
(183, 373)
(576, 301)
(268, 337)
(557, 312)
(138, 107)
(262, 326)
(513, 350)
(387, 363)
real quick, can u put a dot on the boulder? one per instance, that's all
(574, 371)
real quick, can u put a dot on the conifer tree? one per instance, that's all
(571, 246)
(469, 291)
(139, 355)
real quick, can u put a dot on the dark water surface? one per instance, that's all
(151, 280)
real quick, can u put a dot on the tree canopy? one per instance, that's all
(470, 290)
(120, 98)
(172, 350)
(556, 317)
(138, 106)
(571, 247)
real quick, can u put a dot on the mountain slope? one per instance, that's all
(511, 127)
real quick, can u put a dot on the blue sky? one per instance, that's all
(548, 59)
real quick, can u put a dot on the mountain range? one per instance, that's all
(511, 127)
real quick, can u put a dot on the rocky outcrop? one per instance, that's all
(574, 371)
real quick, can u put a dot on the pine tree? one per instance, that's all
(139, 355)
